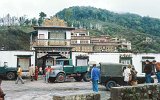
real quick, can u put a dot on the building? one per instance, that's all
(51, 41)
(82, 42)
(104, 44)
(15, 58)
(137, 60)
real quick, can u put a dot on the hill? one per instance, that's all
(133, 27)
(130, 26)
(15, 37)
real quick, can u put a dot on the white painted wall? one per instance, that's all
(114, 58)
(68, 35)
(45, 32)
(11, 58)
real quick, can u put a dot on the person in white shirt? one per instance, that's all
(127, 73)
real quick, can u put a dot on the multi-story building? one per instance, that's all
(81, 43)
(80, 32)
(55, 40)
(85, 43)
(104, 43)
(51, 42)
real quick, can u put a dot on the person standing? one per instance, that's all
(32, 71)
(40, 71)
(95, 75)
(48, 71)
(157, 66)
(134, 76)
(36, 73)
(127, 74)
(19, 77)
(148, 71)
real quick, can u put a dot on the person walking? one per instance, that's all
(157, 66)
(32, 71)
(95, 75)
(19, 77)
(148, 71)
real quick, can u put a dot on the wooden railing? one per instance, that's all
(51, 42)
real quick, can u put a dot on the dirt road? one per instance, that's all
(39, 90)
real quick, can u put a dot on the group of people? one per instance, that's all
(33, 73)
(152, 68)
(130, 75)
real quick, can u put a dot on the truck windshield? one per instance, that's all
(66, 62)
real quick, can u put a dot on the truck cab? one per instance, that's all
(65, 67)
(8, 72)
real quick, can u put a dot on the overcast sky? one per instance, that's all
(32, 8)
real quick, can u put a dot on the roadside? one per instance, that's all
(38, 90)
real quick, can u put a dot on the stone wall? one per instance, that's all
(85, 96)
(138, 92)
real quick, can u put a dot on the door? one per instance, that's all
(24, 63)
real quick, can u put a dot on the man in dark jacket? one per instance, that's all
(95, 75)
(148, 71)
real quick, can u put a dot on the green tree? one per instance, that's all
(34, 21)
(42, 15)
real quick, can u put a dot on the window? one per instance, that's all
(66, 62)
(41, 36)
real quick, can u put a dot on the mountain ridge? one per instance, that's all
(133, 27)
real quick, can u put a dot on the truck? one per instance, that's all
(8, 72)
(112, 75)
(65, 68)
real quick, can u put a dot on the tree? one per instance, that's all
(27, 22)
(42, 15)
(34, 21)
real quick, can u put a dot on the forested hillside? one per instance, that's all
(15, 37)
(130, 26)
(133, 27)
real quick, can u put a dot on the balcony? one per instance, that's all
(80, 38)
(51, 42)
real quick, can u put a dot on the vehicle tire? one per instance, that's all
(110, 84)
(86, 77)
(60, 78)
(52, 79)
(78, 78)
(11, 75)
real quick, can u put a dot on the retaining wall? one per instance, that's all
(138, 92)
(82, 96)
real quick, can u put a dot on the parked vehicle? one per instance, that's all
(65, 68)
(8, 72)
(112, 75)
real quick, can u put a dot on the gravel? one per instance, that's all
(39, 90)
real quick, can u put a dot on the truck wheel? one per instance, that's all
(110, 84)
(60, 77)
(78, 78)
(86, 77)
(11, 75)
